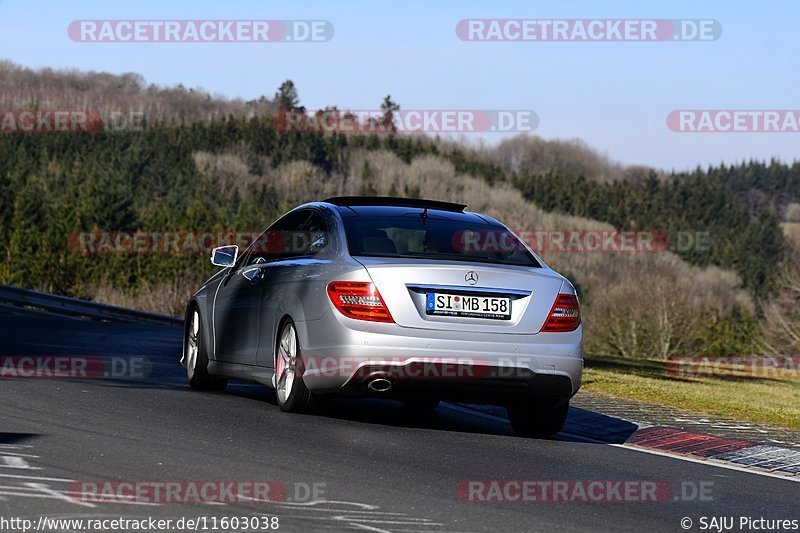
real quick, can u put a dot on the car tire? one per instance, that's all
(537, 420)
(421, 403)
(196, 356)
(292, 394)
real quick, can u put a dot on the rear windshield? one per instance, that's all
(413, 236)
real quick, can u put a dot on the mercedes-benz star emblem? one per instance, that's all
(471, 277)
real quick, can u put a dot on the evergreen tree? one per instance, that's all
(287, 98)
(388, 107)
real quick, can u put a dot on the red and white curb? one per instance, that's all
(734, 454)
(742, 453)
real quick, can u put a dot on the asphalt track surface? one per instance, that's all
(375, 465)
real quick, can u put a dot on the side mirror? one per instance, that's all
(224, 256)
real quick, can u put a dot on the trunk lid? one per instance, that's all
(404, 285)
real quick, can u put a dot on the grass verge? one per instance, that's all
(773, 401)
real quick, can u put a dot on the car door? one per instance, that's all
(237, 305)
(297, 233)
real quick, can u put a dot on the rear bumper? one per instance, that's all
(487, 385)
(342, 355)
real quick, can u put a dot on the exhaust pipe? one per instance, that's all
(379, 385)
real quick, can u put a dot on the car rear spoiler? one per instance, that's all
(395, 202)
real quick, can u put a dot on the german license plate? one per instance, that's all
(442, 303)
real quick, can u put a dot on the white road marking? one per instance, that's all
(370, 528)
(329, 502)
(17, 454)
(365, 517)
(358, 522)
(28, 495)
(38, 478)
(410, 521)
(36, 490)
(57, 494)
(348, 511)
(16, 462)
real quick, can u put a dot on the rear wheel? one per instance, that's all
(533, 420)
(293, 395)
(196, 357)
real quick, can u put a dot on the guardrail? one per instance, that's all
(14, 297)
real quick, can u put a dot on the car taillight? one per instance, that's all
(565, 314)
(359, 300)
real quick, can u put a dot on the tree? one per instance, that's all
(389, 106)
(287, 98)
(782, 313)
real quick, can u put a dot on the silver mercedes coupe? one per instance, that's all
(408, 299)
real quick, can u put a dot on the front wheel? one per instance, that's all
(196, 358)
(532, 420)
(291, 391)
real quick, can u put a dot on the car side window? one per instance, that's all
(291, 222)
(297, 234)
(313, 234)
(314, 223)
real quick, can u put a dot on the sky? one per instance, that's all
(614, 95)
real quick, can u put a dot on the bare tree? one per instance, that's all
(782, 314)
